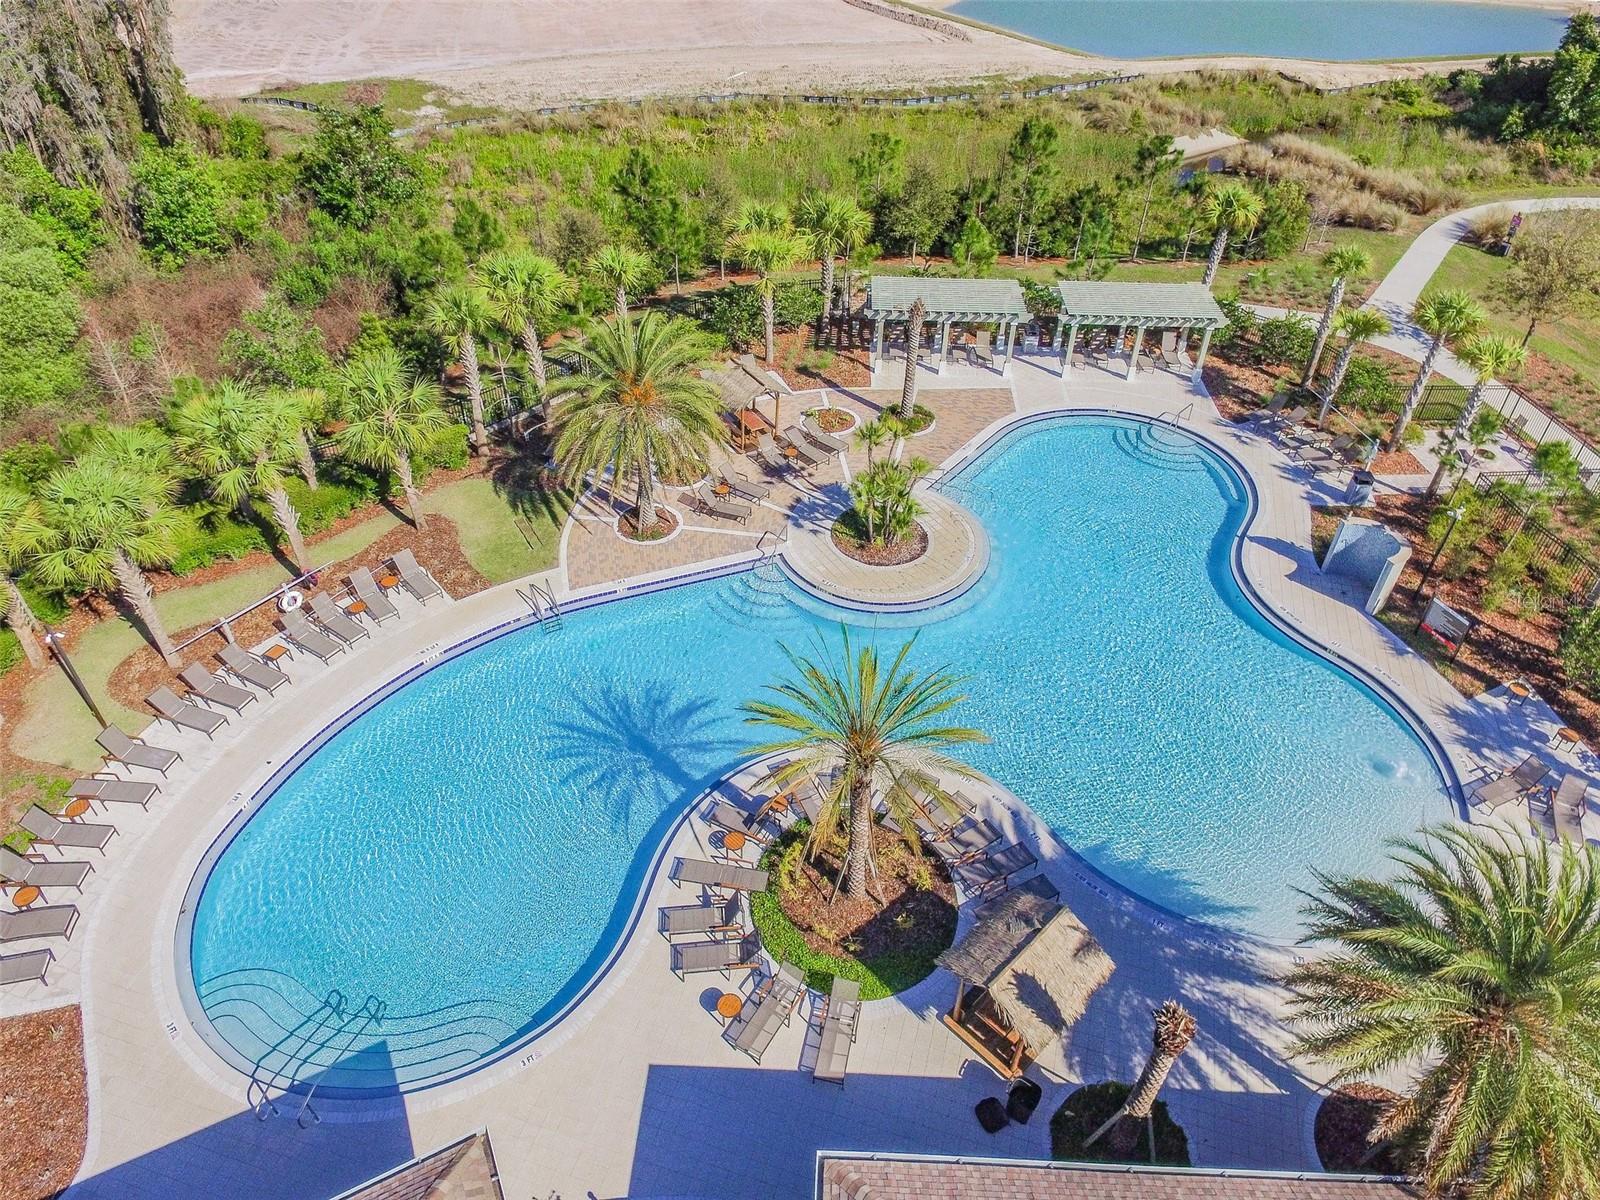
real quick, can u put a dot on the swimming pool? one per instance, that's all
(469, 849)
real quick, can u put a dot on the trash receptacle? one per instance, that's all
(1359, 493)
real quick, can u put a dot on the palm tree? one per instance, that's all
(299, 409)
(243, 446)
(872, 434)
(1475, 969)
(1445, 315)
(639, 405)
(459, 314)
(873, 731)
(1490, 355)
(766, 252)
(22, 534)
(1230, 208)
(524, 290)
(144, 449)
(1344, 263)
(105, 522)
(1355, 325)
(390, 416)
(758, 216)
(622, 269)
(832, 225)
(908, 388)
(1174, 1029)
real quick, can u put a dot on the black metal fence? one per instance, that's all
(1565, 571)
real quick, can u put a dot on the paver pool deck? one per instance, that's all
(635, 1093)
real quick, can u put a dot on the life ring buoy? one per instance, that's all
(291, 600)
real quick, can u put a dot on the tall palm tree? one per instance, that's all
(458, 314)
(766, 252)
(524, 291)
(390, 416)
(299, 409)
(1490, 356)
(832, 225)
(1475, 968)
(1174, 1028)
(908, 387)
(105, 522)
(1445, 315)
(872, 730)
(244, 446)
(872, 434)
(622, 269)
(639, 405)
(1231, 209)
(1355, 325)
(1345, 263)
(22, 535)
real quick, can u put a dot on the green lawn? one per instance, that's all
(506, 532)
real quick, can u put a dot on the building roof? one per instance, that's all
(1038, 961)
(463, 1170)
(845, 1176)
(743, 381)
(959, 299)
(1148, 304)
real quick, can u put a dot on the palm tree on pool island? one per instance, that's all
(639, 405)
(870, 730)
(1174, 1028)
(1474, 968)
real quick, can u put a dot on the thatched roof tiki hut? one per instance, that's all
(1023, 974)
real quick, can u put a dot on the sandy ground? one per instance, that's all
(518, 53)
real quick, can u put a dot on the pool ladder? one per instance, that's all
(542, 602)
(1173, 417)
(319, 1032)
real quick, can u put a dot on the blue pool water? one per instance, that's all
(1340, 30)
(470, 847)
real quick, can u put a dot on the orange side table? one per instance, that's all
(729, 1006)
(733, 842)
(274, 652)
(25, 895)
(76, 808)
(388, 581)
(357, 607)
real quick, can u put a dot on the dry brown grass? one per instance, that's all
(1417, 191)
(1343, 200)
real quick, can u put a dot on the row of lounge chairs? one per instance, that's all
(1555, 812)
(1307, 444)
(34, 870)
(812, 446)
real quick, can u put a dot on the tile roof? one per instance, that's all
(847, 1177)
(1139, 303)
(463, 1170)
(891, 296)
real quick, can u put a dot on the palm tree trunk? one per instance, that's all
(1414, 396)
(1446, 461)
(535, 353)
(622, 303)
(647, 513)
(1219, 246)
(827, 287)
(1323, 328)
(408, 485)
(860, 836)
(908, 389)
(769, 318)
(1174, 1029)
(1528, 336)
(303, 458)
(469, 366)
(135, 591)
(23, 623)
(289, 521)
(1341, 365)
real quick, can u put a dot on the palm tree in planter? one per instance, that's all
(105, 523)
(1233, 209)
(872, 434)
(639, 405)
(1444, 315)
(1474, 967)
(1490, 355)
(908, 388)
(767, 252)
(244, 447)
(390, 417)
(832, 225)
(22, 535)
(1344, 263)
(622, 269)
(871, 730)
(1174, 1030)
(524, 291)
(1355, 325)
(459, 314)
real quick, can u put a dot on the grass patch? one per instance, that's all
(505, 534)
(1086, 1109)
(402, 100)
(26, 788)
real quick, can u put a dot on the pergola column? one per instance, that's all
(877, 342)
(1011, 336)
(1200, 359)
(1061, 323)
(1133, 357)
(1066, 358)
(944, 344)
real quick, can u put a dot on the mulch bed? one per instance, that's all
(894, 554)
(833, 420)
(1091, 1106)
(44, 1103)
(1345, 1121)
(628, 526)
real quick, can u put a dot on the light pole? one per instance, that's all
(58, 647)
(1455, 515)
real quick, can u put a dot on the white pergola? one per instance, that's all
(997, 302)
(1140, 306)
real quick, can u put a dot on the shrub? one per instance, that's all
(735, 311)
(1491, 227)
(202, 544)
(178, 205)
(1369, 387)
(353, 169)
(448, 451)
(1285, 339)
(1580, 649)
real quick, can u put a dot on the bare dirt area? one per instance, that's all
(44, 1103)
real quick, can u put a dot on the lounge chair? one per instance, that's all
(1169, 349)
(1542, 814)
(1333, 454)
(379, 607)
(1568, 806)
(1270, 412)
(775, 1003)
(241, 664)
(726, 956)
(53, 920)
(770, 456)
(107, 791)
(182, 713)
(719, 916)
(1527, 775)
(50, 830)
(413, 578)
(1038, 885)
(838, 1031)
(808, 454)
(983, 348)
(313, 641)
(208, 687)
(28, 967)
(722, 506)
(735, 820)
(1287, 419)
(135, 752)
(727, 876)
(1078, 360)
(943, 810)
(748, 489)
(1145, 362)
(336, 621)
(822, 439)
(42, 873)
(988, 869)
(970, 837)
